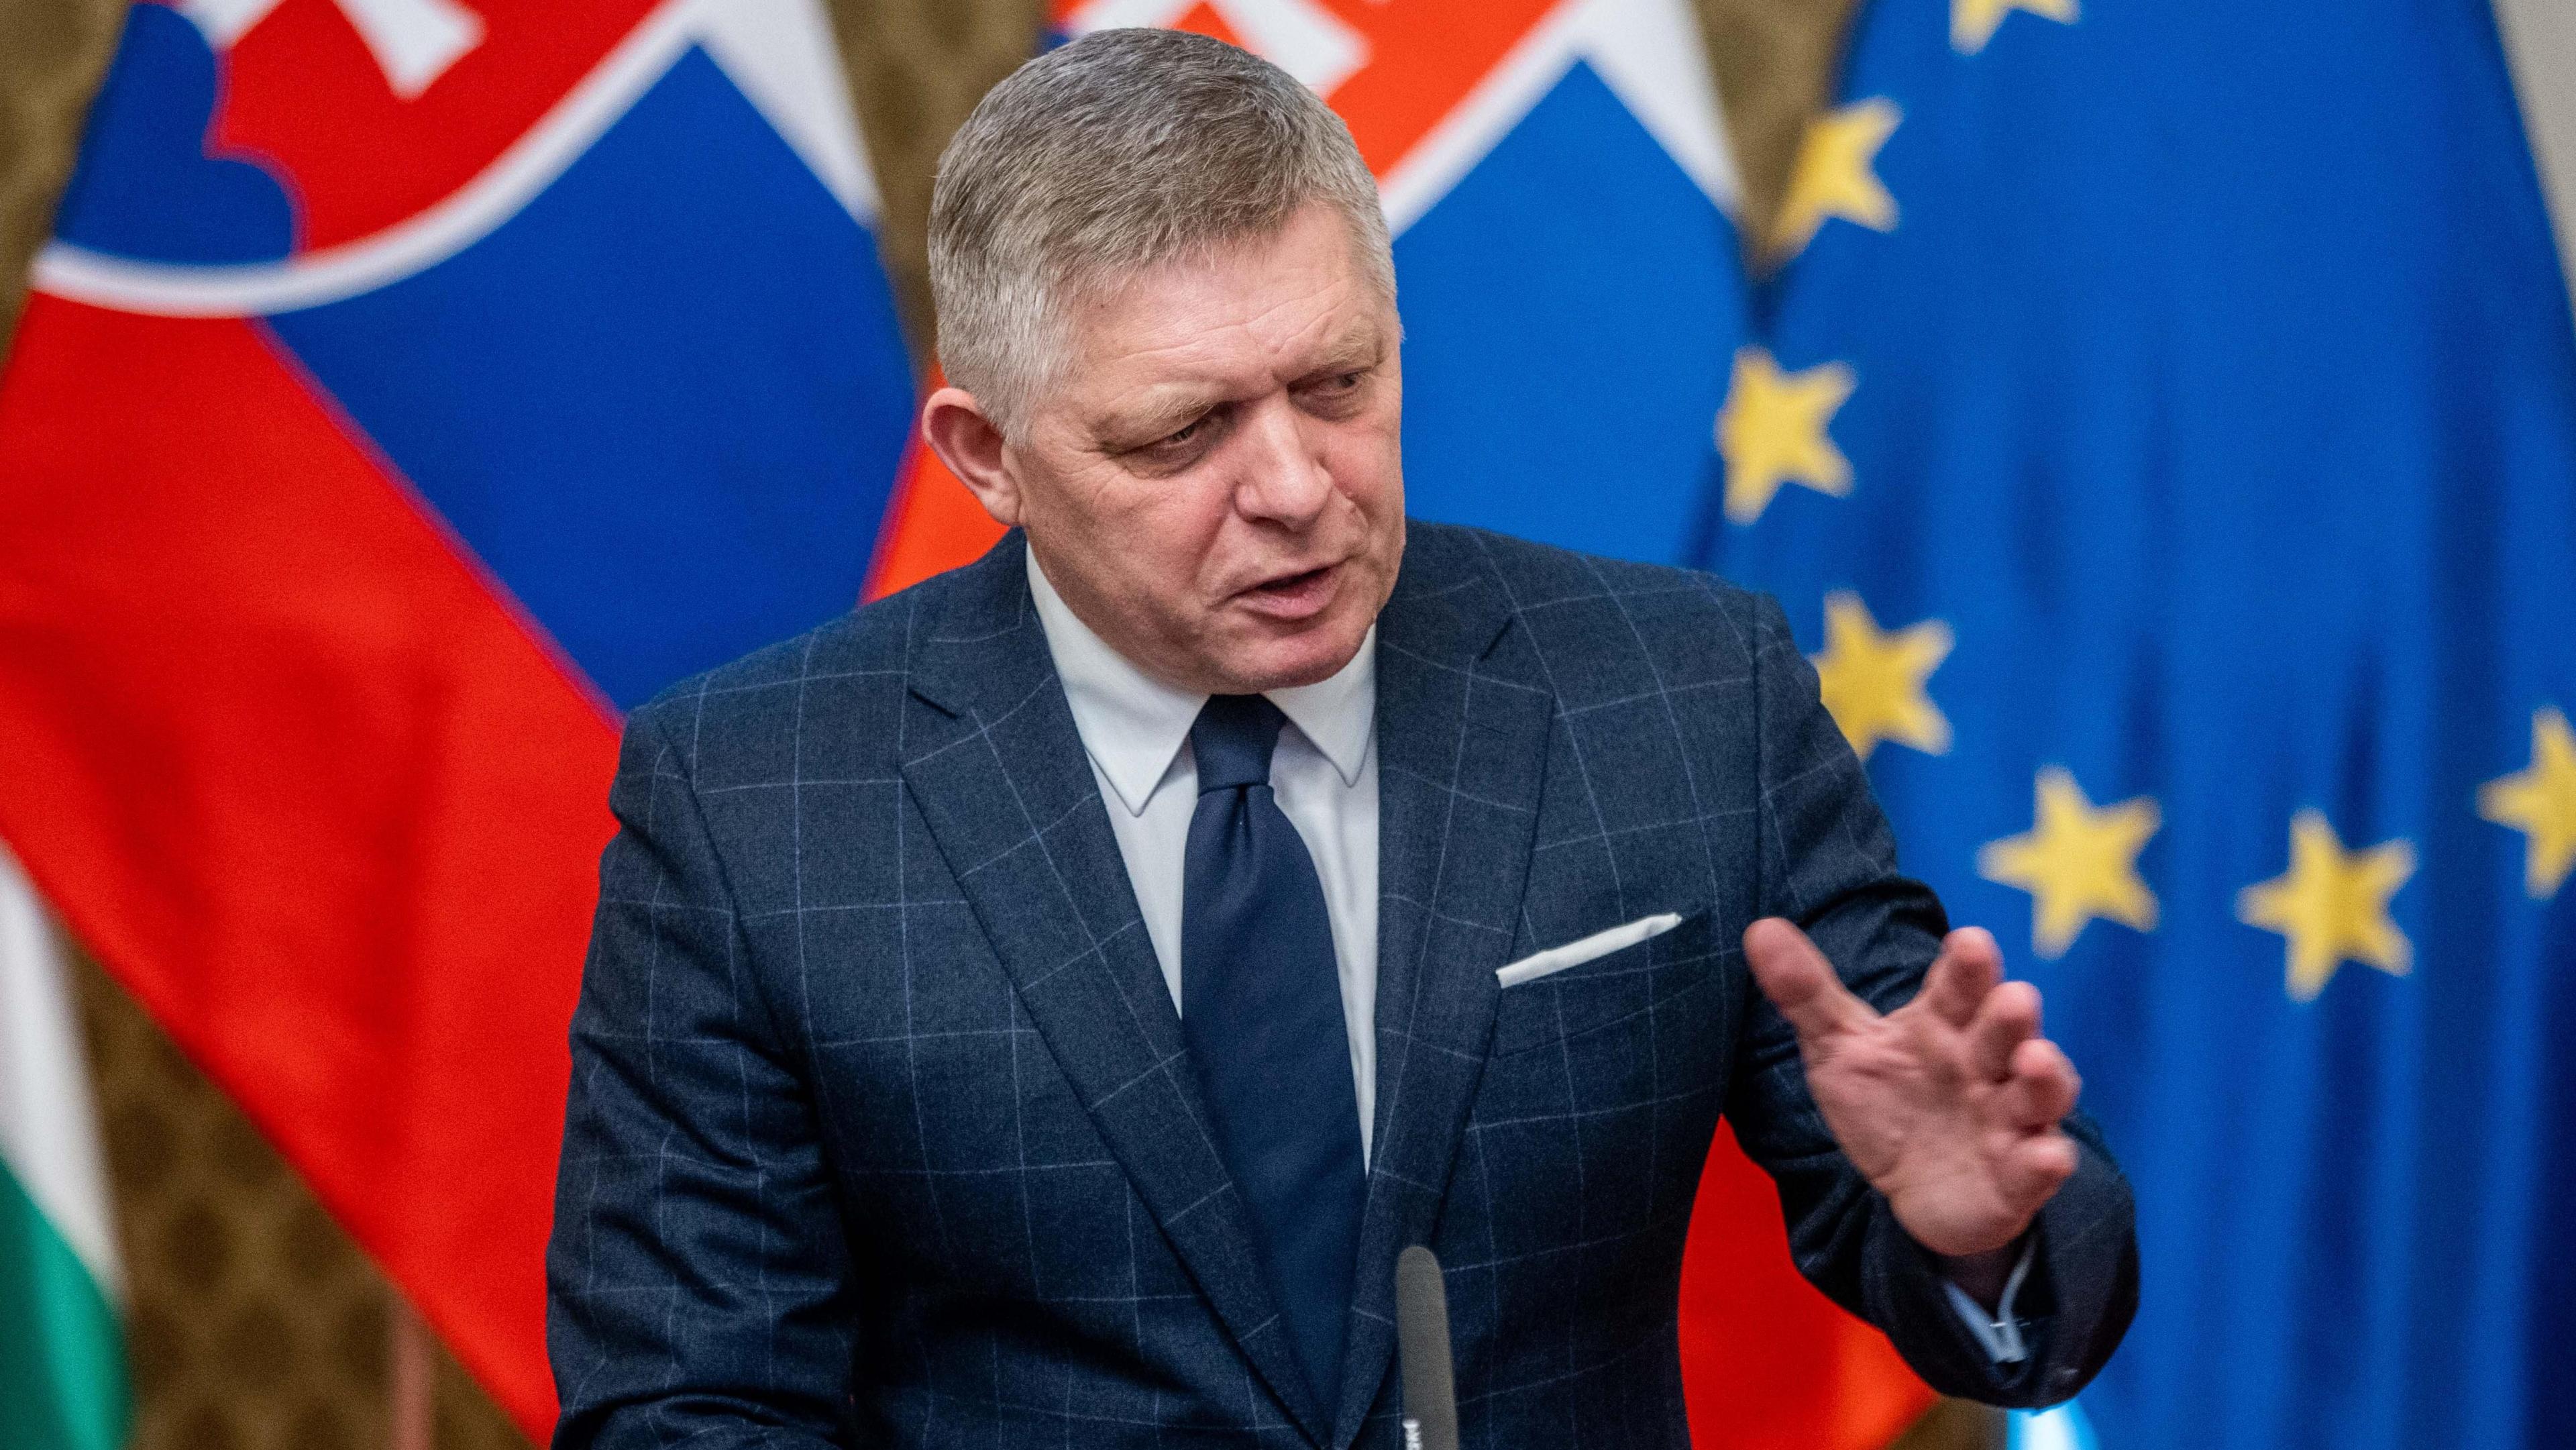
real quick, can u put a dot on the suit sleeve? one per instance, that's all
(1829, 864)
(697, 1277)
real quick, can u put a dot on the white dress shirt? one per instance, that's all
(1136, 730)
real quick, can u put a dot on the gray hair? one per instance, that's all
(1121, 151)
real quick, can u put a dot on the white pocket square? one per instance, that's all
(1583, 949)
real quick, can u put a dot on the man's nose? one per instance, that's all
(1283, 479)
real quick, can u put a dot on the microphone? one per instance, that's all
(1422, 1335)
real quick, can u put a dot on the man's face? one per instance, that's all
(1216, 485)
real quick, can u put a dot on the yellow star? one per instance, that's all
(1832, 177)
(1872, 680)
(2077, 863)
(2540, 802)
(1772, 431)
(1973, 22)
(2332, 904)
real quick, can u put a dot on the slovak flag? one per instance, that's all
(411, 387)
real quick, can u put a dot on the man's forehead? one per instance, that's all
(1151, 347)
(1262, 282)
(1278, 344)
(1271, 290)
(1192, 369)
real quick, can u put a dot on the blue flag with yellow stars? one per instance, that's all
(2163, 434)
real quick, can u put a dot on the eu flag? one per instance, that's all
(2164, 434)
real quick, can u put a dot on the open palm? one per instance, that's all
(1948, 1105)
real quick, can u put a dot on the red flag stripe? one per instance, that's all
(309, 789)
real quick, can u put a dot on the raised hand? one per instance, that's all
(1948, 1105)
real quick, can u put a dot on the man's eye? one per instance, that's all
(1333, 390)
(1180, 446)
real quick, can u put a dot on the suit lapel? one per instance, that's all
(991, 753)
(1462, 726)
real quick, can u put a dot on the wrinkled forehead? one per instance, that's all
(1259, 312)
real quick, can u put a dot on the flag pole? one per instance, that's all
(411, 1388)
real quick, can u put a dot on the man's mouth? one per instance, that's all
(1292, 596)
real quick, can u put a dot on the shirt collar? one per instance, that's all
(1132, 724)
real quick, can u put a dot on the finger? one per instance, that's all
(2008, 1018)
(2043, 1085)
(1800, 982)
(1969, 966)
(2033, 1167)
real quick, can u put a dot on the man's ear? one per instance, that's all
(968, 442)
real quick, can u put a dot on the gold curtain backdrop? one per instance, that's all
(254, 1323)
(52, 53)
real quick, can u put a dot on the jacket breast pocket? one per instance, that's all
(1607, 990)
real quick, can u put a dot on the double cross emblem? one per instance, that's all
(1300, 37)
(413, 41)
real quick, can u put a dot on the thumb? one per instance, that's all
(1800, 982)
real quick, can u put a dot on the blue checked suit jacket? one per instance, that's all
(882, 1133)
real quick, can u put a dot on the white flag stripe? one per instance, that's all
(782, 56)
(48, 1128)
(1651, 55)
(2541, 36)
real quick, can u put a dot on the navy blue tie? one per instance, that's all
(1261, 1008)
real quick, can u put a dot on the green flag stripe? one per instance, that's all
(62, 1354)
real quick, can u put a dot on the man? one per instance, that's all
(1041, 1005)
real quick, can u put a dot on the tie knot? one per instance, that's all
(1233, 740)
